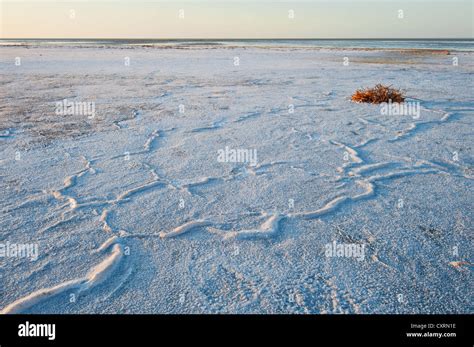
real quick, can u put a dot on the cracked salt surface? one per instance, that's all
(133, 213)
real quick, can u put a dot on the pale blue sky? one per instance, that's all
(237, 19)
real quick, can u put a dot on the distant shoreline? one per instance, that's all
(238, 39)
(436, 46)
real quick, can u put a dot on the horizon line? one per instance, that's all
(243, 38)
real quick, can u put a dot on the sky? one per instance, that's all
(167, 19)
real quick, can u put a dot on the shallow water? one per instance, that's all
(454, 44)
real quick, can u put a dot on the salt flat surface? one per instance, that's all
(133, 212)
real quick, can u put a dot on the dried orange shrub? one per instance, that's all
(378, 94)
